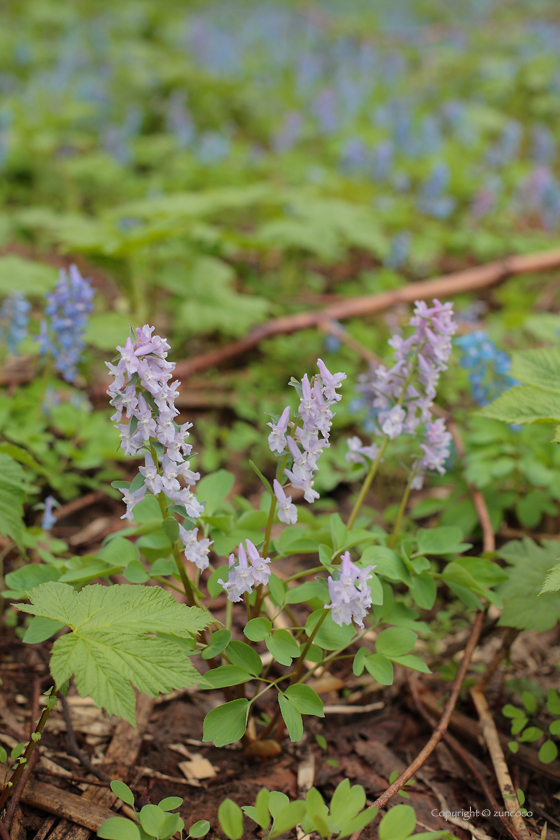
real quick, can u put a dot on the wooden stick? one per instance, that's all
(441, 728)
(490, 734)
(446, 286)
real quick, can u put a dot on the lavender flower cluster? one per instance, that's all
(401, 397)
(14, 319)
(313, 435)
(63, 330)
(486, 365)
(141, 388)
(242, 576)
(350, 593)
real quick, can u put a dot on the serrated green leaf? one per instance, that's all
(109, 647)
(524, 607)
(226, 724)
(552, 580)
(537, 367)
(524, 404)
(12, 496)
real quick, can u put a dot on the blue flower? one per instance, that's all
(14, 318)
(63, 330)
(487, 366)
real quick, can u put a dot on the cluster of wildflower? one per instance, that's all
(400, 398)
(242, 576)
(141, 388)
(487, 366)
(14, 318)
(436, 449)
(48, 519)
(314, 411)
(357, 450)
(62, 333)
(350, 593)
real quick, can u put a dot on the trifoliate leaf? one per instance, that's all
(109, 649)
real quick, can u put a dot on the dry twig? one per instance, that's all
(490, 734)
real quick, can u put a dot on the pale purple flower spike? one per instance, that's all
(142, 390)
(314, 411)
(242, 576)
(402, 411)
(350, 593)
(357, 450)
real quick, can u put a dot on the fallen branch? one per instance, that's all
(441, 729)
(491, 737)
(447, 286)
(467, 761)
(18, 790)
(76, 809)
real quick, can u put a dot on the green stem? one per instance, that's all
(402, 509)
(35, 737)
(367, 483)
(304, 573)
(229, 615)
(187, 585)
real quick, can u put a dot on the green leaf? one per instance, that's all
(277, 801)
(554, 727)
(539, 368)
(444, 540)
(330, 635)
(28, 577)
(171, 529)
(123, 792)
(524, 404)
(398, 823)
(12, 496)
(388, 563)
(213, 490)
(412, 662)
(239, 653)
(231, 819)
(119, 552)
(282, 646)
(3, 755)
(510, 711)
(524, 607)
(513, 745)
(358, 664)
(288, 818)
(518, 724)
(170, 803)
(308, 590)
(305, 699)
(552, 580)
(423, 589)
(199, 829)
(257, 629)
(109, 647)
(152, 819)
(27, 276)
(358, 822)
(380, 668)
(529, 701)
(395, 641)
(262, 817)
(459, 576)
(264, 480)
(136, 573)
(292, 718)
(227, 675)
(119, 828)
(553, 702)
(227, 723)
(218, 642)
(532, 733)
(172, 824)
(277, 590)
(41, 629)
(548, 752)
(317, 811)
(346, 802)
